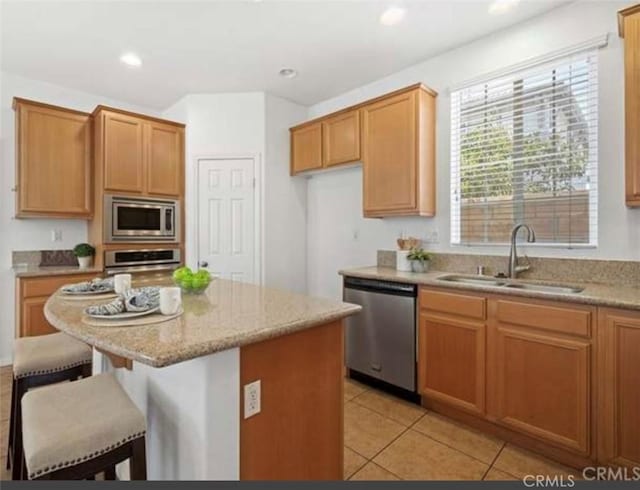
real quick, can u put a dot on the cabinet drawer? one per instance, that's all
(455, 303)
(568, 320)
(46, 286)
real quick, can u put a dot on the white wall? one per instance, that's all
(217, 125)
(338, 236)
(285, 201)
(32, 234)
(257, 124)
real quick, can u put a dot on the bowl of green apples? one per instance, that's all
(192, 282)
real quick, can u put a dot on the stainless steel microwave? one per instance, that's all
(133, 219)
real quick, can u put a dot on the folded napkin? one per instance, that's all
(96, 285)
(133, 300)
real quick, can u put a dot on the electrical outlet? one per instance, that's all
(431, 237)
(251, 399)
(56, 235)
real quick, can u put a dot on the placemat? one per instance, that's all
(87, 297)
(131, 322)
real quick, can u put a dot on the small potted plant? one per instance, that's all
(419, 259)
(84, 253)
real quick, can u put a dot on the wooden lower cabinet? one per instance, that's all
(619, 387)
(453, 370)
(31, 295)
(539, 383)
(520, 366)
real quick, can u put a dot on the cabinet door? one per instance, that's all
(123, 147)
(619, 387)
(632, 107)
(306, 148)
(390, 155)
(54, 162)
(539, 384)
(451, 361)
(164, 159)
(341, 139)
(33, 321)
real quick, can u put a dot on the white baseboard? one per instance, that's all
(6, 361)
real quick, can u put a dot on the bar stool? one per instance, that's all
(40, 361)
(76, 430)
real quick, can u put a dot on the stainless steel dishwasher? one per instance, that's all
(380, 341)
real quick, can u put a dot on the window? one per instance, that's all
(524, 149)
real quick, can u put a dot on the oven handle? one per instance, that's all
(143, 268)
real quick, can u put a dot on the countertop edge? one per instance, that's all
(204, 349)
(24, 272)
(430, 279)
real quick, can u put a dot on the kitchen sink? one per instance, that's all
(504, 283)
(545, 288)
(479, 280)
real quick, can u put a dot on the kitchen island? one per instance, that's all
(187, 375)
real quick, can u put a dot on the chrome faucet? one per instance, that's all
(514, 268)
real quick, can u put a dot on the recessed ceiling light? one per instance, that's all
(131, 59)
(288, 73)
(501, 6)
(392, 16)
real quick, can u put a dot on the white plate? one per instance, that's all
(125, 315)
(88, 293)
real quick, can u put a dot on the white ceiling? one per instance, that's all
(234, 46)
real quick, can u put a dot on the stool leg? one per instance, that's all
(12, 423)
(138, 461)
(87, 370)
(18, 456)
(110, 473)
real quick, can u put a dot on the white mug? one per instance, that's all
(121, 283)
(170, 300)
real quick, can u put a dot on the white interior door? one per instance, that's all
(226, 218)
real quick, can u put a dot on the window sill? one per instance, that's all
(567, 246)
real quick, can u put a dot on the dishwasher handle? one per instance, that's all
(383, 287)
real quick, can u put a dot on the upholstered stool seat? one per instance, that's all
(71, 424)
(46, 354)
(40, 361)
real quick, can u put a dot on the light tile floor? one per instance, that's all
(387, 438)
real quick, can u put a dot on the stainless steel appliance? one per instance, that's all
(133, 219)
(380, 341)
(133, 261)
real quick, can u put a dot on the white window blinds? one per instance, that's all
(524, 149)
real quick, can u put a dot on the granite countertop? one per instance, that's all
(593, 294)
(30, 270)
(230, 314)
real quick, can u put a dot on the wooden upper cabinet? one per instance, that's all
(123, 152)
(630, 30)
(53, 161)
(306, 148)
(165, 159)
(341, 139)
(619, 387)
(137, 154)
(540, 371)
(398, 149)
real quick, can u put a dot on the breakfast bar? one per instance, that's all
(188, 376)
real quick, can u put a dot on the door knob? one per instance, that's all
(203, 263)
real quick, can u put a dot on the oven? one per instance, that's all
(133, 219)
(141, 261)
